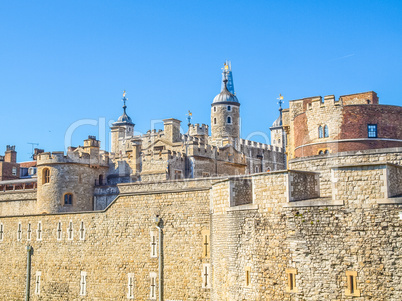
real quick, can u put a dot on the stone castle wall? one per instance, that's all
(261, 225)
(18, 202)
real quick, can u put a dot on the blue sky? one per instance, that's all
(66, 61)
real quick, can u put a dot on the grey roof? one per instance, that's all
(225, 95)
(277, 122)
(124, 119)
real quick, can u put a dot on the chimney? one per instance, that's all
(10, 154)
(172, 129)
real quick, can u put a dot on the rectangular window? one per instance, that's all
(14, 171)
(291, 287)
(19, 232)
(152, 293)
(351, 282)
(205, 243)
(177, 174)
(206, 283)
(29, 231)
(130, 286)
(1, 232)
(248, 276)
(154, 244)
(82, 231)
(37, 283)
(39, 231)
(59, 231)
(70, 230)
(372, 130)
(83, 283)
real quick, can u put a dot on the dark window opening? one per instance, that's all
(68, 199)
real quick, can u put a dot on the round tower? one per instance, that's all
(225, 113)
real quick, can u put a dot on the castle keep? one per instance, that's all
(189, 215)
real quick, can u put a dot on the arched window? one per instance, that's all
(257, 169)
(326, 133)
(229, 120)
(320, 134)
(214, 109)
(229, 108)
(279, 141)
(68, 199)
(320, 152)
(214, 120)
(46, 175)
(326, 152)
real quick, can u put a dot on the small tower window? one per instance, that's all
(214, 109)
(68, 199)
(320, 133)
(320, 152)
(46, 175)
(326, 133)
(229, 120)
(83, 284)
(326, 152)
(29, 231)
(372, 130)
(229, 108)
(214, 120)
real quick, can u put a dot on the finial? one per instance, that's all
(280, 102)
(124, 99)
(189, 116)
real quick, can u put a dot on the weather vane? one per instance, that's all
(280, 102)
(124, 99)
(189, 116)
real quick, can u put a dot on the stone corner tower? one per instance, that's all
(225, 113)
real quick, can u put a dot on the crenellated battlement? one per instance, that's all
(74, 156)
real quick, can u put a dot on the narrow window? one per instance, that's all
(19, 232)
(29, 231)
(229, 108)
(130, 286)
(1, 232)
(214, 109)
(291, 287)
(229, 120)
(351, 284)
(248, 276)
(37, 282)
(154, 244)
(205, 243)
(68, 199)
(152, 294)
(206, 276)
(14, 171)
(100, 180)
(214, 120)
(83, 283)
(39, 231)
(257, 169)
(320, 133)
(59, 231)
(70, 230)
(326, 132)
(372, 130)
(82, 231)
(46, 175)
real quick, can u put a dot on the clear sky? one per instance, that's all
(64, 63)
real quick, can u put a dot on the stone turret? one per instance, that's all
(122, 129)
(225, 116)
(66, 182)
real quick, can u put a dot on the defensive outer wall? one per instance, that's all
(260, 228)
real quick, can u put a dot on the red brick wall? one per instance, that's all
(6, 169)
(354, 126)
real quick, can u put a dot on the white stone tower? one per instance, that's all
(225, 114)
(122, 129)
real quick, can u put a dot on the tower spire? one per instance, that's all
(124, 99)
(227, 74)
